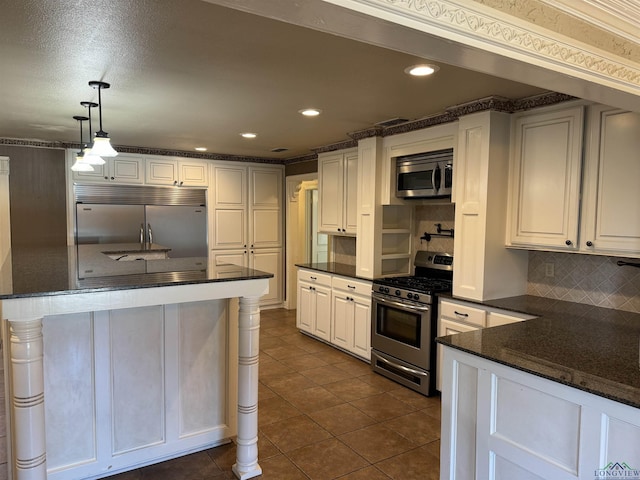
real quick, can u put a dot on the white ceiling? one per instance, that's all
(187, 73)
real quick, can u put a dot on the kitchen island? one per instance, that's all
(557, 396)
(112, 371)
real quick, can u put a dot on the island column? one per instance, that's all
(246, 465)
(27, 399)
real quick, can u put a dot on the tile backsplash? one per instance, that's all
(590, 279)
(425, 218)
(344, 250)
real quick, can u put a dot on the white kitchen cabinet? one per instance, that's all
(484, 268)
(351, 315)
(264, 259)
(246, 220)
(187, 173)
(455, 316)
(545, 175)
(121, 169)
(609, 219)
(246, 205)
(502, 423)
(337, 188)
(313, 313)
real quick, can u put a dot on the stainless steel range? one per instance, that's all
(404, 321)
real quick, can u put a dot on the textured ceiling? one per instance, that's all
(187, 73)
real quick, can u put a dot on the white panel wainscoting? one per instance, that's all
(131, 386)
(500, 423)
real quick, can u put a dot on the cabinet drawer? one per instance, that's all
(357, 287)
(315, 277)
(463, 313)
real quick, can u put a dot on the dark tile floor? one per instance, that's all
(322, 414)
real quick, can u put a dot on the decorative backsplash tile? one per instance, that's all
(591, 279)
(344, 250)
(425, 218)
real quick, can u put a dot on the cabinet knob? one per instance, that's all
(106, 178)
(338, 229)
(589, 243)
(181, 183)
(568, 243)
(175, 182)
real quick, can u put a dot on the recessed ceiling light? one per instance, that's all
(249, 135)
(310, 112)
(201, 149)
(421, 70)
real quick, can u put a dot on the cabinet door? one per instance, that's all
(545, 179)
(265, 207)
(229, 228)
(341, 320)
(305, 312)
(161, 172)
(448, 327)
(362, 327)
(124, 169)
(323, 313)
(270, 261)
(192, 174)
(229, 186)
(330, 192)
(610, 222)
(350, 219)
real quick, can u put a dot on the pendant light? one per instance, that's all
(101, 142)
(80, 165)
(90, 157)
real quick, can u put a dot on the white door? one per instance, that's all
(341, 320)
(270, 261)
(322, 327)
(362, 327)
(330, 189)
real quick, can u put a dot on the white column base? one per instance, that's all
(246, 465)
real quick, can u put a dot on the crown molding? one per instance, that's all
(479, 26)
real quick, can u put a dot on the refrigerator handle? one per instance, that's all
(150, 233)
(141, 233)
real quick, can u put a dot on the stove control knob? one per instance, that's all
(398, 292)
(386, 290)
(381, 289)
(409, 295)
(416, 297)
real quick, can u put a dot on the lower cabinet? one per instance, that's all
(456, 316)
(502, 423)
(336, 309)
(265, 259)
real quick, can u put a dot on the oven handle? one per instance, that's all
(401, 367)
(401, 305)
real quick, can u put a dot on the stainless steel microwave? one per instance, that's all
(425, 175)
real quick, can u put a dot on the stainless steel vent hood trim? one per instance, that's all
(139, 195)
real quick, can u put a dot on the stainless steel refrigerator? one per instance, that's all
(173, 217)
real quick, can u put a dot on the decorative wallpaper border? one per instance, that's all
(451, 114)
(471, 20)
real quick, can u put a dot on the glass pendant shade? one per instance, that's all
(102, 147)
(81, 165)
(91, 159)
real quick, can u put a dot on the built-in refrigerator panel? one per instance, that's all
(101, 223)
(183, 229)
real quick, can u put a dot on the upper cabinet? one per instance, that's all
(247, 206)
(121, 169)
(337, 187)
(561, 201)
(610, 220)
(545, 178)
(181, 173)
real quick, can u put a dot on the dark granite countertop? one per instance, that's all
(34, 272)
(333, 268)
(586, 347)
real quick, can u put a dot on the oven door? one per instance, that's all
(403, 330)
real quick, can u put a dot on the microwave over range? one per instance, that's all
(425, 175)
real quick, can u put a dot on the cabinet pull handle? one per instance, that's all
(351, 287)
(461, 314)
(313, 278)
